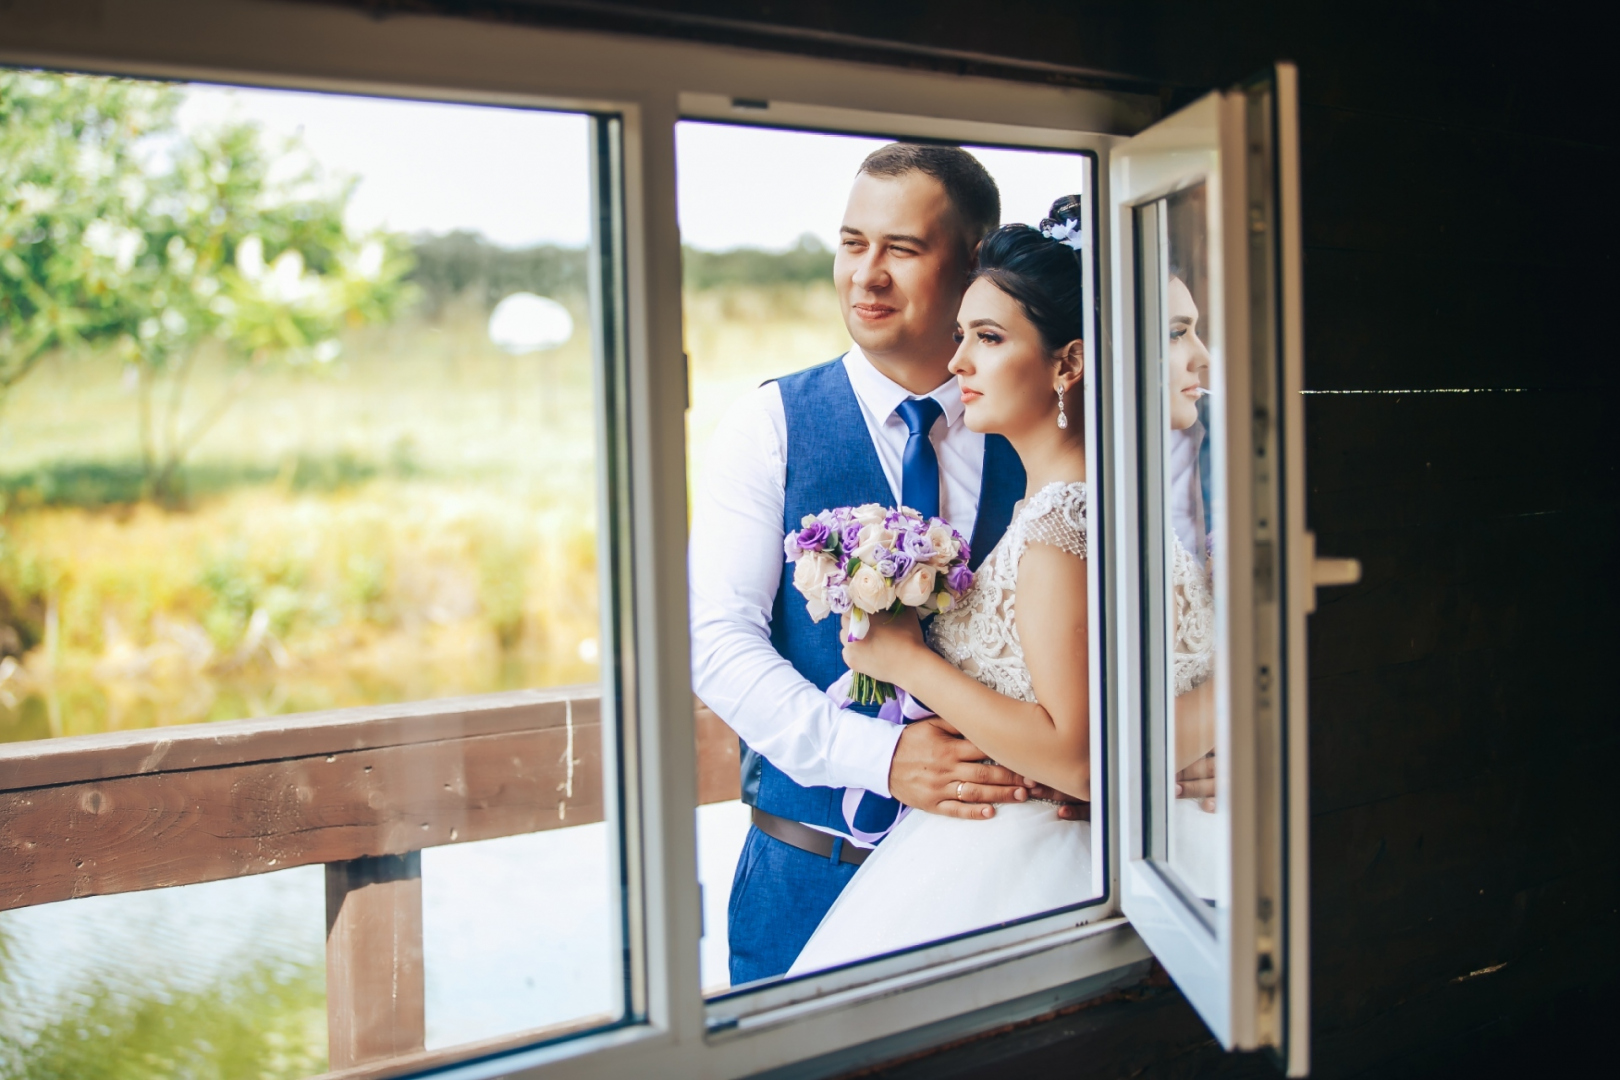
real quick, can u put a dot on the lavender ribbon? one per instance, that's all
(898, 710)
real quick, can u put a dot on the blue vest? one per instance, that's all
(831, 462)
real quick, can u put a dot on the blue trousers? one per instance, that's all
(778, 897)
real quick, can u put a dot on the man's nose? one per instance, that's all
(870, 272)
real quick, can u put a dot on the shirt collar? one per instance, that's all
(883, 395)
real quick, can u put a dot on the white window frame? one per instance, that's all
(848, 1017)
(1244, 966)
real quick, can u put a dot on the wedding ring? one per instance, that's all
(959, 784)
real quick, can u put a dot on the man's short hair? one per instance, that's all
(970, 188)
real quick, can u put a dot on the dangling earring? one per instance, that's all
(1063, 417)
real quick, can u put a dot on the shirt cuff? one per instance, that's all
(862, 751)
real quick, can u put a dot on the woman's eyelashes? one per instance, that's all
(989, 337)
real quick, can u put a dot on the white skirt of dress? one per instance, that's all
(936, 877)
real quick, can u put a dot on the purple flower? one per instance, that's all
(838, 599)
(813, 537)
(916, 547)
(959, 579)
(852, 537)
(893, 565)
(966, 554)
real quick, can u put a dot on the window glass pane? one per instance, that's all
(798, 263)
(299, 417)
(1181, 507)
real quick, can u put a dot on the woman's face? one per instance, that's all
(1008, 377)
(1188, 360)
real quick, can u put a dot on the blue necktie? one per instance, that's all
(919, 467)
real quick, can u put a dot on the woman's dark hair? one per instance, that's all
(1042, 274)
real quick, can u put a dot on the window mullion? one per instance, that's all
(661, 701)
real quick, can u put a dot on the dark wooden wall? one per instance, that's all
(1460, 170)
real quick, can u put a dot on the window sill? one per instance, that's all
(861, 1025)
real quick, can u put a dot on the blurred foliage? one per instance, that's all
(71, 184)
(806, 263)
(115, 224)
(464, 264)
(259, 602)
(98, 483)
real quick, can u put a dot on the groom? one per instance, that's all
(881, 424)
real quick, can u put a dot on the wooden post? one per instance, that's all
(374, 982)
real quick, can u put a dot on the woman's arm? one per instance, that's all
(1050, 741)
(1195, 723)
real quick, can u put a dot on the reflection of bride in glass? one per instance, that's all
(1013, 678)
(1187, 364)
(1194, 843)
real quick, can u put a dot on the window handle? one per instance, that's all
(1326, 571)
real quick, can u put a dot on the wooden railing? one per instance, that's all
(361, 791)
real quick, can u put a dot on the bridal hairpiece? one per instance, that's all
(1067, 233)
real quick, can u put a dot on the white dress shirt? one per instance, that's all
(735, 567)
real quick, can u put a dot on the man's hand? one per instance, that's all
(1197, 781)
(935, 771)
(1069, 807)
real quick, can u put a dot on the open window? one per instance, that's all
(1191, 228)
(1213, 592)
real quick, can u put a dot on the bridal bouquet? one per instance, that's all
(861, 561)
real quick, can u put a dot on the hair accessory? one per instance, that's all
(1067, 233)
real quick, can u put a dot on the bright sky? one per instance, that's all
(755, 187)
(521, 177)
(518, 176)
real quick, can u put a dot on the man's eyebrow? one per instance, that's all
(976, 323)
(851, 230)
(906, 238)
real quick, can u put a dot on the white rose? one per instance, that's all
(944, 542)
(870, 514)
(810, 578)
(870, 590)
(918, 586)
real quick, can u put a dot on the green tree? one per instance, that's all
(115, 226)
(71, 184)
(263, 267)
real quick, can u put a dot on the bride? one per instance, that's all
(1008, 666)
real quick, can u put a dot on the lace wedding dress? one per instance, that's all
(1197, 847)
(935, 877)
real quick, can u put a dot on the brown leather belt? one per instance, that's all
(805, 838)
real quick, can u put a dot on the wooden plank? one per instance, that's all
(81, 758)
(147, 832)
(375, 988)
(719, 778)
(374, 787)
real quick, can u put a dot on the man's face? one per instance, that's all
(901, 267)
